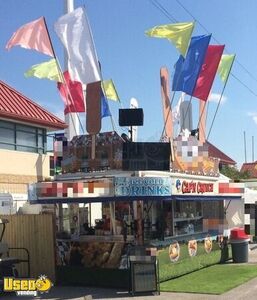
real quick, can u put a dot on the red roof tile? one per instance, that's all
(215, 152)
(14, 105)
(251, 168)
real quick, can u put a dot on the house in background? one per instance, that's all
(23, 142)
(225, 160)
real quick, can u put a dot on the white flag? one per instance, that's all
(176, 109)
(74, 31)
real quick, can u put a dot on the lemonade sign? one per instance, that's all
(30, 287)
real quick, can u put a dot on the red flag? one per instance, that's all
(72, 94)
(208, 71)
(32, 35)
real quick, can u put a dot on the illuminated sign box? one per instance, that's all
(142, 186)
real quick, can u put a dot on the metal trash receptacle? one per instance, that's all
(144, 271)
(239, 241)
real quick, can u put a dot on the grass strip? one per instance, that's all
(216, 279)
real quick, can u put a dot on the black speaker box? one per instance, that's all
(146, 156)
(131, 117)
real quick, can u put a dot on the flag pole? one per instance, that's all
(220, 99)
(74, 117)
(91, 34)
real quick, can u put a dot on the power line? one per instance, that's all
(163, 10)
(172, 18)
(218, 42)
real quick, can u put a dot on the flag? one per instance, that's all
(208, 71)
(176, 109)
(187, 69)
(179, 34)
(105, 111)
(110, 90)
(48, 70)
(225, 66)
(74, 31)
(72, 94)
(32, 35)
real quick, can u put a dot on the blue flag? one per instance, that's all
(187, 69)
(105, 111)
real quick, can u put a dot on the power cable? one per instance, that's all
(218, 42)
(172, 18)
(163, 10)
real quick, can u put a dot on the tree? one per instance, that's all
(234, 174)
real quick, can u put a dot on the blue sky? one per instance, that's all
(133, 60)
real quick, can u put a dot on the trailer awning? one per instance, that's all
(133, 198)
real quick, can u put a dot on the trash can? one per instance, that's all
(239, 241)
(144, 270)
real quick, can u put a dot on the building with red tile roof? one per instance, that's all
(17, 107)
(23, 142)
(251, 168)
(225, 160)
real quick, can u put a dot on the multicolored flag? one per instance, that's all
(47, 70)
(208, 71)
(110, 90)
(32, 35)
(225, 66)
(74, 31)
(187, 69)
(179, 34)
(72, 94)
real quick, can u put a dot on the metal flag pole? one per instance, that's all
(71, 118)
(220, 98)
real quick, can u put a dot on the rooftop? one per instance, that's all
(215, 152)
(251, 168)
(19, 108)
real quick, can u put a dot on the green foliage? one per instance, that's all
(234, 174)
(216, 279)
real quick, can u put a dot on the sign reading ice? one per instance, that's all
(142, 186)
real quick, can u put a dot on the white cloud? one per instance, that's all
(253, 115)
(216, 98)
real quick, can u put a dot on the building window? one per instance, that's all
(22, 138)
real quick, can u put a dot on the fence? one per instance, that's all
(36, 233)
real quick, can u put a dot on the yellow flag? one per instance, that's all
(48, 69)
(110, 91)
(179, 34)
(225, 66)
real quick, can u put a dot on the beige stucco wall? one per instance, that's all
(24, 163)
(17, 169)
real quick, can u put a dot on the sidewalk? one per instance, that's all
(247, 290)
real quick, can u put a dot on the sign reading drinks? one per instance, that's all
(142, 186)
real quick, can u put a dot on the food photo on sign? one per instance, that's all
(174, 251)
(208, 244)
(192, 247)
